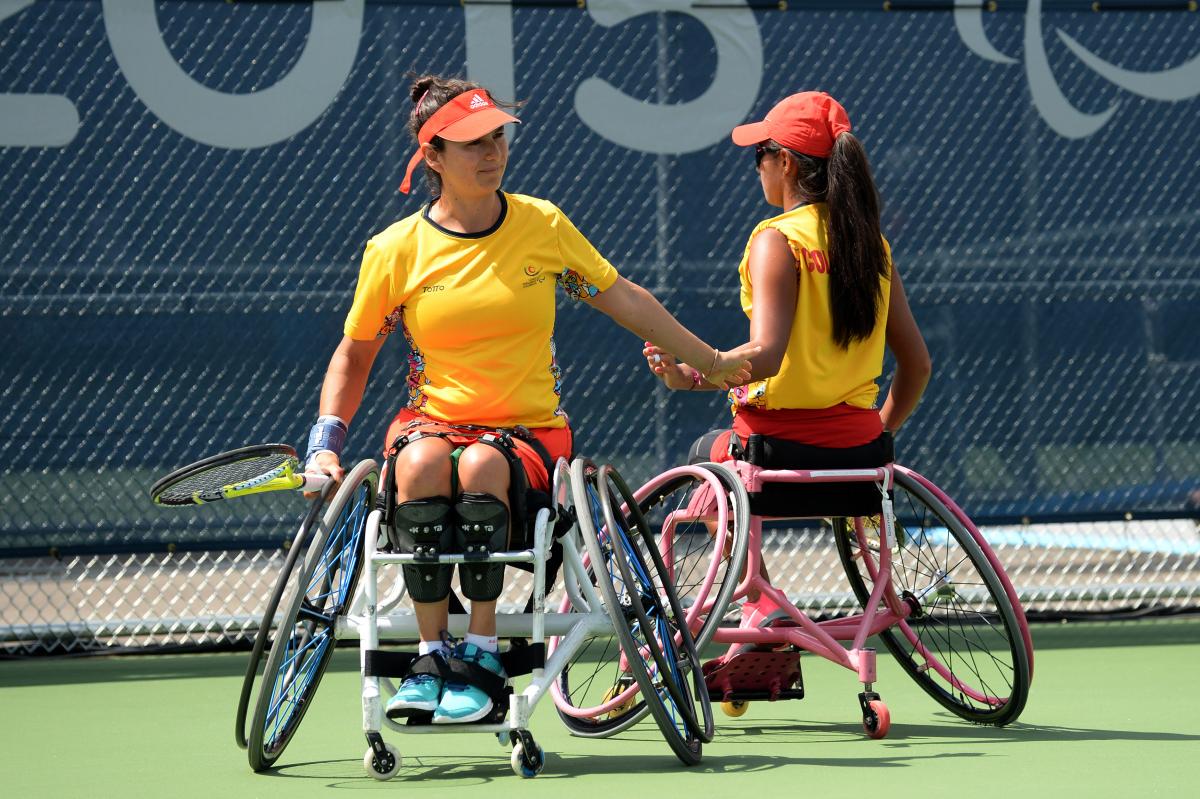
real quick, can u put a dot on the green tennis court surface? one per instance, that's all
(1112, 712)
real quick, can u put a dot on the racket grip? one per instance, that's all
(313, 482)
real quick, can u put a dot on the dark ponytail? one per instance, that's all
(857, 258)
(429, 93)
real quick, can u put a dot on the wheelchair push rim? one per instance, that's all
(657, 607)
(263, 636)
(962, 640)
(693, 516)
(305, 641)
(605, 565)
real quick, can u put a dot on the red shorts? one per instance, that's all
(841, 426)
(558, 441)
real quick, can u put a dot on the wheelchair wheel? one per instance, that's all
(305, 640)
(656, 605)
(595, 695)
(269, 621)
(640, 652)
(963, 641)
(705, 564)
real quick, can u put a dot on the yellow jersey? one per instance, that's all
(816, 372)
(477, 310)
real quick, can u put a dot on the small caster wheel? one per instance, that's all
(877, 719)
(527, 765)
(382, 767)
(618, 688)
(735, 708)
(502, 739)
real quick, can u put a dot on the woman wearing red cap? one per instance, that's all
(822, 295)
(470, 281)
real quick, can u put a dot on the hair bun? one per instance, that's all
(421, 85)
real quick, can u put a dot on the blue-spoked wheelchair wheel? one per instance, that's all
(284, 583)
(963, 640)
(676, 507)
(609, 563)
(662, 622)
(306, 635)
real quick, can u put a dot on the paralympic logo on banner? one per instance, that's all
(1170, 85)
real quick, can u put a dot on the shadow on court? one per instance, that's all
(465, 771)
(954, 731)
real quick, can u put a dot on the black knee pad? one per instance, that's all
(482, 528)
(425, 528)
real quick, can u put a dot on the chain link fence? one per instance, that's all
(185, 189)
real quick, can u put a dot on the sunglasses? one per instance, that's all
(762, 149)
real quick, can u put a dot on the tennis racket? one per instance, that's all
(237, 473)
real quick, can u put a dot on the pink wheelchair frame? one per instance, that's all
(763, 662)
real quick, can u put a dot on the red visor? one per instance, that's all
(808, 122)
(467, 117)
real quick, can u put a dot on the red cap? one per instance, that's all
(808, 122)
(467, 117)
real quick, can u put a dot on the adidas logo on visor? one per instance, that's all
(478, 102)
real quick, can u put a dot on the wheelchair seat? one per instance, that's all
(782, 500)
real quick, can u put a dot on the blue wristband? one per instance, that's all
(328, 434)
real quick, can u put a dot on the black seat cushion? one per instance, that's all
(816, 499)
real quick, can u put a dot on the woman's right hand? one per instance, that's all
(325, 463)
(732, 368)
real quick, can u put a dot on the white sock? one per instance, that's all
(428, 647)
(488, 643)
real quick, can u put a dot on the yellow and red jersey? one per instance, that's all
(477, 310)
(816, 373)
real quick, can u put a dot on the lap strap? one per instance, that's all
(517, 661)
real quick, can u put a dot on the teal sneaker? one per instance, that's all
(418, 694)
(461, 703)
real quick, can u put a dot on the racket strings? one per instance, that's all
(220, 475)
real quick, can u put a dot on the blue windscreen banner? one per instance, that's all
(186, 189)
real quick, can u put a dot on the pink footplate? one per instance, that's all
(754, 675)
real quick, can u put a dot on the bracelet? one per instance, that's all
(716, 357)
(327, 435)
(695, 380)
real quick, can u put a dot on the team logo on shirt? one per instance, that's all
(535, 276)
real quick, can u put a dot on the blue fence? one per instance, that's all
(185, 188)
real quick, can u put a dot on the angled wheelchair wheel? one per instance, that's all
(657, 606)
(285, 586)
(640, 651)
(306, 636)
(963, 640)
(595, 693)
(704, 559)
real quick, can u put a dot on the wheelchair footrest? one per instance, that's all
(498, 715)
(755, 674)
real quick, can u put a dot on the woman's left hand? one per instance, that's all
(674, 374)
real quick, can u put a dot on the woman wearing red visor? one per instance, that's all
(470, 281)
(822, 295)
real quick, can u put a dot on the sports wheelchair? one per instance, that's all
(333, 587)
(928, 584)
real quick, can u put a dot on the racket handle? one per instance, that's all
(313, 482)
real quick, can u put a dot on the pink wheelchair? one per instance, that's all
(928, 585)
